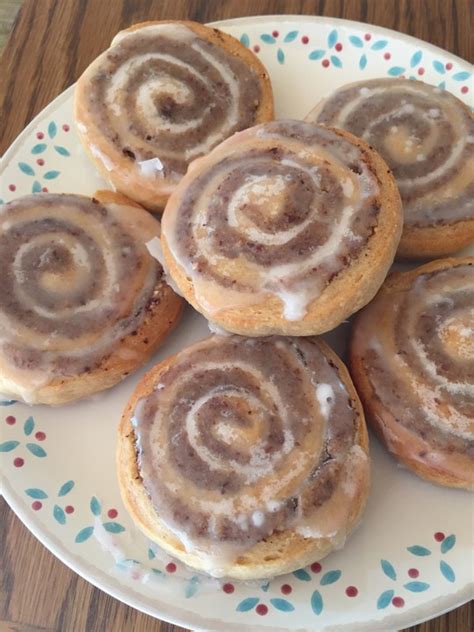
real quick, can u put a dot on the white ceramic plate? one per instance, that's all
(410, 559)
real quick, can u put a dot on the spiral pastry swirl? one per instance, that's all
(271, 217)
(77, 279)
(162, 95)
(236, 439)
(412, 357)
(426, 135)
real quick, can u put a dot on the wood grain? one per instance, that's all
(51, 43)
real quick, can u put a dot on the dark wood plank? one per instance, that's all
(51, 43)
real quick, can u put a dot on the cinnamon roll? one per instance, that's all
(285, 228)
(426, 135)
(245, 457)
(162, 95)
(412, 361)
(83, 303)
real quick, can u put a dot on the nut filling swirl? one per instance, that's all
(244, 437)
(424, 133)
(162, 96)
(281, 209)
(75, 280)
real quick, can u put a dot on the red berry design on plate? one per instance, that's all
(171, 567)
(261, 609)
(316, 567)
(69, 509)
(398, 602)
(40, 162)
(45, 189)
(325, 63)
(40, 436)
(305, 39)
(338, 47)
(367, 37)
(286, 589)
(66, 127)
(413, 572)
(387, 56)
(449, 65)
(464, 89)
(275, 33)
(39, 135)
(12, 187)
(228, 588)
(10, 420)
(19, 462)
(421, 71)
(351, 591)
(256, 48)
(112, 513)
(439, 536)
(36, 506)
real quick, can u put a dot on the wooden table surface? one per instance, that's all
(51, 43)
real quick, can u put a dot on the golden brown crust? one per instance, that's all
(131, 352)
(140, 189)
(282, 552)
(396, 438)
(353, 288)
(435, 241)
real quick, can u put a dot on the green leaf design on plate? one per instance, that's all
(245, 40)
(113, 527)
(52, 129)
(191, 587)
(36, 450)
(447, 571)
(461, 76)
(84, 534)
(29, 426)
(95, 506)
(448, 543)
(289, 37)
(396, 71)
(356, 41)
(388, 569)
(29, 171)
(62, 150)
(439, 67)
(379, 44)
(36, 188)
(247, 604)
(268, 39)
(316, 54)
(282, 604)
(330, 577)
(65, 488)
(363, 61)
(151, 554)
(8, 446)
(39, 148)
(332, 38)
(317, 602)
(416, 58)
(416, 586)
(418, 550)
(35, 492)
(302, 574)
(336, 61)
(59, 515)
(280, 56)
(51, 175)
(385, 598)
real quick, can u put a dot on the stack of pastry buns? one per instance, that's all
(246, 454)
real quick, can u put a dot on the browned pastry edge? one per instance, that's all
(377, 415)
(153, 195)
(350, 290)
(280, 553)
(160, 319)
(419, 242)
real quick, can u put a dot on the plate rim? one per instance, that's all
(112, 585)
